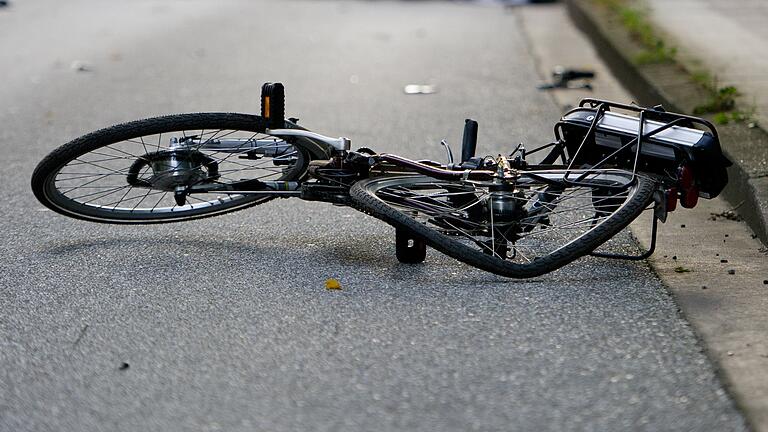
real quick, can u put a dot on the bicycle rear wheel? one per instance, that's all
(538, 226)
(167, 169)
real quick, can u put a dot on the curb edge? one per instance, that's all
(742, 189)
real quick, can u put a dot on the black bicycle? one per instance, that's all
(502, 213)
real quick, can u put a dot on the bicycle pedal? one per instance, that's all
(273, 105)
(409, 250)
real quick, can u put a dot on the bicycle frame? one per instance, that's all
(340, 150)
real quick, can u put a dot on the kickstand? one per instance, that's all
(642, 256)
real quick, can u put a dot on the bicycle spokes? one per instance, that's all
(515, 222)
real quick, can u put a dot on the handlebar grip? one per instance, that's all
(469, 142)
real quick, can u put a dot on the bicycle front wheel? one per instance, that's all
(167, 169)
(540, 224)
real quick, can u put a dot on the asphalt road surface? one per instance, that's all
(224, 323)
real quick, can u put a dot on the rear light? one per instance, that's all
(689, 191)
(689, 197)
(685, 177)
(670, 195)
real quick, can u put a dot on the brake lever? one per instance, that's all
(448, 150)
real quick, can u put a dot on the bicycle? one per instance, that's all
(608, 163)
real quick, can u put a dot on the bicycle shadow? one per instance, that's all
(381, 261)
(367, 257)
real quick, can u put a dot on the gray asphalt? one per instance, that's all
(225, 323)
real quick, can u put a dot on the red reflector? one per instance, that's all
(689, 197)
(685, 177)
(671, 197)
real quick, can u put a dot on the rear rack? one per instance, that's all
(654, 141)
(657, 111)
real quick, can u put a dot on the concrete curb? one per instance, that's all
(671, 85)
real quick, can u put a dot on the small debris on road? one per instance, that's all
(513, 3)
(80, 66)
(728, 214)
(731, 271)
(562, 78)
(124, 366)
(730, 353)
(681, 269)
(419, 89)
(332, 284)
(703, 287)
(723, 261)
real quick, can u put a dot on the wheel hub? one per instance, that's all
(504, 203)
(168, 170)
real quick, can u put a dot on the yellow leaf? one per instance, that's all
(332, 284)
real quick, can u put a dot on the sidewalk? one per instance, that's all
(729, 37)
(715, 268)
(727, 41)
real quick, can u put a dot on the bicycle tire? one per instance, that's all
(367, 194)
(105, 152)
